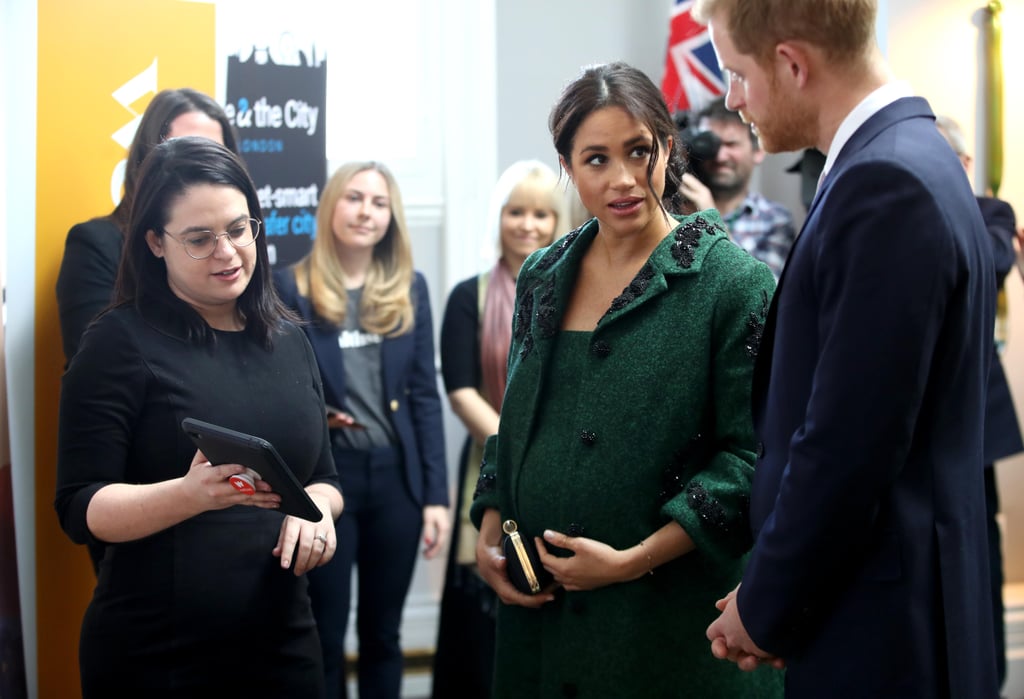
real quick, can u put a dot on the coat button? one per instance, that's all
(574, 529)
(588, 437)
(601, 348)
(577, 605)
(394, 405)
(569, 690)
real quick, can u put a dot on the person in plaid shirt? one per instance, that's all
(762, 227)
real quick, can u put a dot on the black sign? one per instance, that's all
(279, 112)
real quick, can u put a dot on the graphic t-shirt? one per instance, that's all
(364, 382)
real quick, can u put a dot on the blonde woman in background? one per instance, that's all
(578, 214)
(371, 330)
(528, 207)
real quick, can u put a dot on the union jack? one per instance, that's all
(692, 78)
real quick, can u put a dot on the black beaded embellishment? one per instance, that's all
(712, 513)
(673, 478)
(687, 238)
(706, 507)
(485, 484)
(704, 225)
(635, 289)
(523, 317)
(755, 323)
(546, 314)
(556, 253)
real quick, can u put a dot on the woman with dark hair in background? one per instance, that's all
(370, 326)
(528, 210)
(625, 449)
(85, 284)
(202, 590)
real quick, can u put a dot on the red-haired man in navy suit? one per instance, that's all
(869, 571)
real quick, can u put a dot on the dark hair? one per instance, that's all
(717, 111)
(167, 172)
(163, 109)
(620, 85)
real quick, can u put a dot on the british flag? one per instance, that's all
(692, 78)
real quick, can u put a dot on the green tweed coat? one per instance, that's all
(661, 431)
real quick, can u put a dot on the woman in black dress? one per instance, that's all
(92, 249)
(202, 588)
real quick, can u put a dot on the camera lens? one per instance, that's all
(700, 145)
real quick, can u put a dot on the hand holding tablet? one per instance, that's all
(224, 446)
(245, 482)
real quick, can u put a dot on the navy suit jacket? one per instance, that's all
(411, 397)
(869, 570)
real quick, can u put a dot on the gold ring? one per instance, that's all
(321, 537)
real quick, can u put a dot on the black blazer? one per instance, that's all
(1002, 430)
(85, 283)
(869, 571)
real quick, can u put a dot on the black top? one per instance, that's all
(175, 610)
(460, 337)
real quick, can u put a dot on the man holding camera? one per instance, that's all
(720, 178)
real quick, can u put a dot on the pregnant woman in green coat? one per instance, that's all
(625, 450)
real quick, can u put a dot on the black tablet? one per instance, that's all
(223, 446)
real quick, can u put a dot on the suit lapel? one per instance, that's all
(899, 110)
(903, 108)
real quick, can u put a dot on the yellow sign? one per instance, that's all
(100, 63)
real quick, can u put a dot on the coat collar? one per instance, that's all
(545, 287)
(682, 252)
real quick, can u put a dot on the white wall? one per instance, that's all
(542, 45)
(17, 221)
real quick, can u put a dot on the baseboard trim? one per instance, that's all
(1013, 601)
(416, 661)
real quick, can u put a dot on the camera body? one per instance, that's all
(699, 145)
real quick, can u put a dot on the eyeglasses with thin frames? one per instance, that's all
(200, 244)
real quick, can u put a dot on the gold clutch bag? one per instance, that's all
(522, 561)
